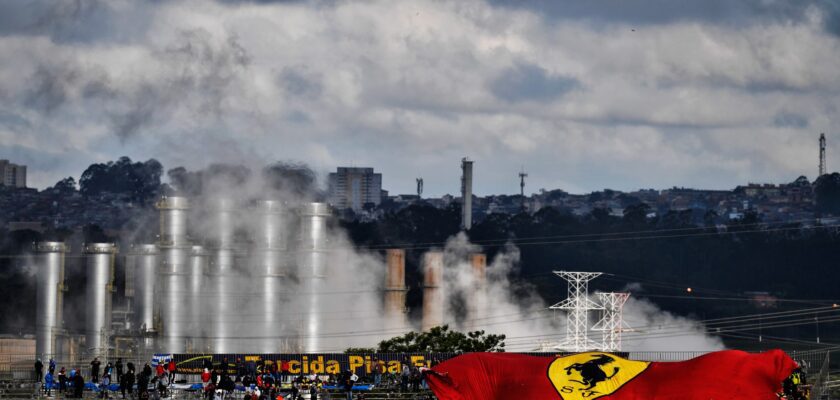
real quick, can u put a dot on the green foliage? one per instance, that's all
(827, 191)
(442, 340)
(140, 181)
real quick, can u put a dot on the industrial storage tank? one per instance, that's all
(224, 280)
(174, 245)
(49, 259)
(312, 271)
(270, 269)
(196, 310)
(145, 262)
(99, 294)
(395, 290)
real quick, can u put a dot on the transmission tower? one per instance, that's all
(612, 322)
(822, 154)
(577, 306)
(522, 176)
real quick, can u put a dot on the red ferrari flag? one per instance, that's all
(730, 375)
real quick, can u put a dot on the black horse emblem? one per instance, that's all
(591, 371)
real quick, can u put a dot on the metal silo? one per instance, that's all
(49, 258)
(100, 287)
(270, 259)
(174, 246)
(224, 279)
(196, 305)
(312, 271)
(144, 259)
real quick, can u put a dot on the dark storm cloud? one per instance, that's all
(790, 120)
(644, 12)
(531, 82)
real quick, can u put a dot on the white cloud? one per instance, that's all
(408, 87)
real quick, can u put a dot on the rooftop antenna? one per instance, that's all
(577, 306)
(522, 176)
(822, 154)
(419, 187)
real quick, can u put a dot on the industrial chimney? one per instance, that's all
(100, 287)
(432, 291)
(49, 258)
(466, 193)
(395, 290)
(312, 270)
(478, 296)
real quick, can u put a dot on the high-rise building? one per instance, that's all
(12, 174)
(352, 188)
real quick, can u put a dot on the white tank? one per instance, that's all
(49, 258)
(100, 288)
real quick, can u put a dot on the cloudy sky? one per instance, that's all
(621, 94)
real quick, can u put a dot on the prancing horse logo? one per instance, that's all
(588, 376)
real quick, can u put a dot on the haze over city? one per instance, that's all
(624, 95)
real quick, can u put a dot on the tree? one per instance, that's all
(442, 340)
(827, 191)
(138, 180)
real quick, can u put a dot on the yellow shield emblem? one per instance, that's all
(588, 376)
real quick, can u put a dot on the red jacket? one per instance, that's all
(159, 369)
(171, 366)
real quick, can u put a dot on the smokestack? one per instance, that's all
(466, 193)
(49, 308)
(224, 279)
(395, 290)
(145, 261)
(195, 308)
(312, 270)
(478, 296)
(100, 287)
(174, 245)
(270, 269)
(432, 292)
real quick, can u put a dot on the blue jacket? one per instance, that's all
(49, 379)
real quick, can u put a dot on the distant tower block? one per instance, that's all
(478, 303)
(612, 323)
(49, 258)
(466, 193)
(432, 291)
(822, 155)
(577, 306)
(395, 290)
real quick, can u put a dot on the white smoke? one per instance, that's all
(500, 306)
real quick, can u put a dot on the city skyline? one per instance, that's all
(621, 95)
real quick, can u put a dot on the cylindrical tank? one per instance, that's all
(224, 303)
(270, 269)
(100, 286)
(395, 291)
(432, 291)
(312, 271)
(173, 221)
(145, 261)
(49, 258)
(196, 305)
(173, 274)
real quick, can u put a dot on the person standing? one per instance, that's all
(48, 382)
(171, 369)
(119, 368)
(78, 384)
(39, 370)
(62, 380)
(94, 370)
(52, 366)
(104, 386)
